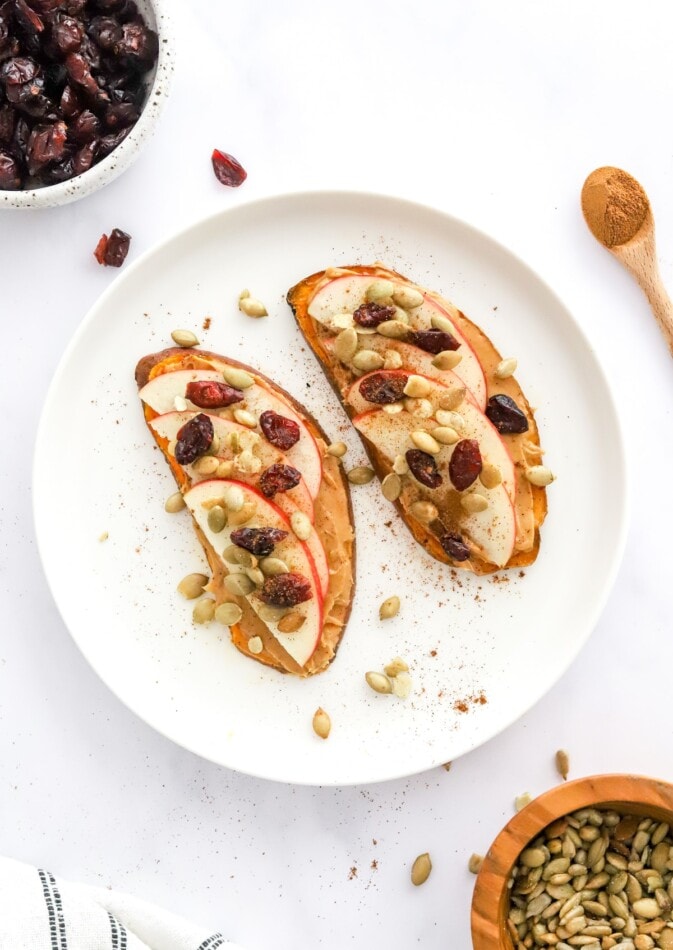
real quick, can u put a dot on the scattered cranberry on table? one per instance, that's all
(111, 251)
(227, 169)
(72, 85)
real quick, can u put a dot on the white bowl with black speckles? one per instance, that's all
(157, 17)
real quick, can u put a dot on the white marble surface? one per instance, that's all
(494, 112)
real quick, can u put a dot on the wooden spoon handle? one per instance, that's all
(661, 304)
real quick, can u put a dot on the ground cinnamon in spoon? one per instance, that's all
(614, 205)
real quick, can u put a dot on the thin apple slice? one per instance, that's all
(169, 424)
(161, 392)
(344, 294)
(471, 423)
(199, 499)
(492, 530)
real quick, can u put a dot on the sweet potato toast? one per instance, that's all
(270, 507)
(448, 429)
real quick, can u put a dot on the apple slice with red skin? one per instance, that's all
(492, 530)
(300, 645)
(169, 424)
(160, 393)
(344, 294)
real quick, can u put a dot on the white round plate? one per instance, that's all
(482, 650)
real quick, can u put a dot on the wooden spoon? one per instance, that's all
(619, 216)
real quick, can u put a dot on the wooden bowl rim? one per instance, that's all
(618, 790)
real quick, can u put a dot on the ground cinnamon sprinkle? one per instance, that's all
(614, 205)
(463, 705)
(206, 323)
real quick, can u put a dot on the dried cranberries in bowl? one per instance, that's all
(73, 82)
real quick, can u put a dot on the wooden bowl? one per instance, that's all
(632, 794)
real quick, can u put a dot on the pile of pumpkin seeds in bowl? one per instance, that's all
(594, 879)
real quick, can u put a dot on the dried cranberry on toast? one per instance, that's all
(270, 506)
(446, 426)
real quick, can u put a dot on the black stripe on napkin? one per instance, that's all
(212, 942)
(51, 913)
(114, 932)
(56, 894)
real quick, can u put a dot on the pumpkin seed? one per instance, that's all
(532, 857)
(272, 566)
(360, 475)
(174, 503)
(453, 398)
(345, 345)
(251, 306)
(379, 682)
(379, 290)
(321, 723)
(474, 503)
(245, 418)
(238, 378)
(659, 833)
(184, 338)
(337, 449)
(291, 622)
(393, 329)
(391, 486)
(447, 359)
(255, 576)
(421, 408)
(204, 611)
(424, 511)
(475, 863)
(521, 801)
(402, 685)
(420, 869)
(539, 475)
(255, 645)
(505, 368)
(217, 519)
(341, 321)
(392, 360)
(367, 360)
(562, 758)
(407, 297)
(301, 525)
(446, 417)
(439, 322)
(446, 435)
(233, 497)
(192, 585)
(393, 408)
(206, 465)
(238, 584)
(490, 476)
(646, 907)
(400, 465)
(243, 515)
(425, 442)
(395, 667)
(103, 536)
(417, 387)
(228, 614)
(389, 608)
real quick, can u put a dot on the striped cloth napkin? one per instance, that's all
(39, 912)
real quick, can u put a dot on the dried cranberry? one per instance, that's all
(278, 478)
(227, 169)
(433, 341)
(120, 115)
(111, 251)
(286, 590)
(71, 104)
(79, 70)
(21, 138)
(138, 46)
(46, 146)
(424, 468)
(383, 388)
(6, 123)
(506, 415)
(465, 464)
(29, 98)
(194, 439)
(209, 394)
(27, 17)
(455, 547)
(279, 430)
(259, 541)
(372, 314)
(66, 35)
(10, 177)
(105, 32)
(18, 70)
(84, 157)
(84, 128)
(108, 143)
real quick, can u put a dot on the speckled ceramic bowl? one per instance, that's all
(156, 15)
